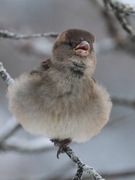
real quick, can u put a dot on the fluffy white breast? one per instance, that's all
(78, 115)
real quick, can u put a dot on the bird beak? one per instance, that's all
(82, 49)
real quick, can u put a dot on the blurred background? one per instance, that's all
(112, 152)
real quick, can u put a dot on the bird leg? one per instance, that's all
(62, 144)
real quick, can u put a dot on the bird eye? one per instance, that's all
(70, 43)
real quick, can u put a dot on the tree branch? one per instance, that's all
(118, 40)
(122, 101)
(10, 35)
(121, 12)
(10, 128)
(4, 75)
(27, 146)
(121, 7)
(80, 165)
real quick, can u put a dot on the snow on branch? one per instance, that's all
(102, 46)
(10, 35)
(4, 75)
(81, 166)
(121, 7)
(121, 12)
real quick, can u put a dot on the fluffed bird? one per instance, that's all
(60, 99)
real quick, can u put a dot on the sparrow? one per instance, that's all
(60, 99)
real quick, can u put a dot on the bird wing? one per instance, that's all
(44, 66)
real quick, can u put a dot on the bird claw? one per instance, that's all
(62, 144)
(60, 150)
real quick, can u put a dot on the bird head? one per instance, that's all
(74, 49)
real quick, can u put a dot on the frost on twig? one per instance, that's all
(10, 35)
(121, 7)
(121, 12)
(81, 167)
(4, 75)
(118, 39)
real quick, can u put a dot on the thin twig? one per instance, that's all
(81, 167)
(10, 128)
(121, 7)
(10, 35)
(122, 101)
(125, 24)
(111, 25)
(4, 75)
(79, 173)
(20, 145)
(118, 40)
(93, 174)
(121, 12)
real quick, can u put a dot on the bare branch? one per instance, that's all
(120, 7)
(118, 40)
(125, 24)
(122, 101)
(81, 167)
(27, 146)
(4, 75)
(93, 174)
(42, 145)
(121, 12)
(10, 35)
(10, 128)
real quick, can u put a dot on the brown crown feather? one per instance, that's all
(76, 35)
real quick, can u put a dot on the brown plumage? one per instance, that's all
(60, 99)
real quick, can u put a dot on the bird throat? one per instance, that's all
(78, 70)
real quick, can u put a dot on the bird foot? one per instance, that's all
(62, 144)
